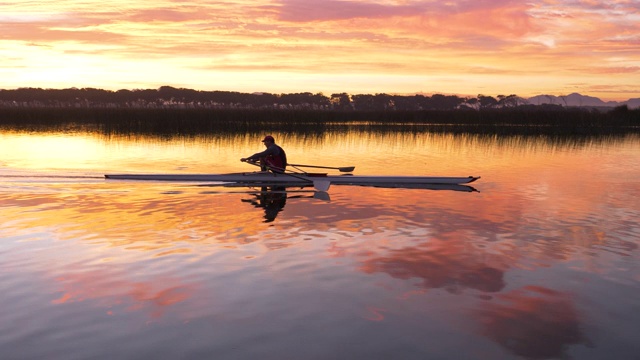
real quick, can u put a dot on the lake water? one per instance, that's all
(540, 263)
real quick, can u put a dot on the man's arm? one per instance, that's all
(271, 150)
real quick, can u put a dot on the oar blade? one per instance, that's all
(346, 169)
(321, 185)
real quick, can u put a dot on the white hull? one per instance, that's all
(264, 177)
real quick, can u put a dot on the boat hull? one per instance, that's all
(263, 177)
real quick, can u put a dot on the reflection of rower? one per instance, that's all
(272, 200)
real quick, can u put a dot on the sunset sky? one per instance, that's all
(468, 47)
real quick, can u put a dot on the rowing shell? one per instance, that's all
(263, 177)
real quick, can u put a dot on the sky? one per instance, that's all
(468, 47)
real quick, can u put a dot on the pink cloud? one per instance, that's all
(44, 32)
(303, 10)
(332, 10)
(465, 24)
(164, 14)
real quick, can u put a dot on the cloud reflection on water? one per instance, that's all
(533, 322)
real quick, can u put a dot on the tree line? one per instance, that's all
(170, 97)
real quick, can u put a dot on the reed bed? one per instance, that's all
(171, 121)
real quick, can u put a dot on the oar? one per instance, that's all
(341, 169)
(320, 185)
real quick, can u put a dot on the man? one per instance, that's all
(273, 158)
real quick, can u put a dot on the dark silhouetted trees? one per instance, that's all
(167, 97)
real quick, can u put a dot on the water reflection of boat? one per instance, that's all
(452, 187)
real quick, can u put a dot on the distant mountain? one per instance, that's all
(633, 103)
(579, 100)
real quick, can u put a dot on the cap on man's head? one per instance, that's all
(268, 138)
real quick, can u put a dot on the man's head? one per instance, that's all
(268, 140)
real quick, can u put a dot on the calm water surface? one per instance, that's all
(540, 263)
